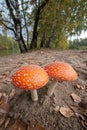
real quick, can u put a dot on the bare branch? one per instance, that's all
(11, 2)
(10, 9)
(8, 27)
(25, 21)
(6, 21)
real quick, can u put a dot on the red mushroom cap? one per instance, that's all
(30, 77)
(61, 71)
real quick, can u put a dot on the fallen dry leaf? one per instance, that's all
(75, 97)
(18, 125)
(82, 119)
(7, 122)
(3, 98)
(81, 114)
(4, 107)
(29, 125)
(29, 128)
(2, 119)
(11, 94)
(84, 124)
(7, 79)
(83, 87)
(39, 127)
(80, 86)
(66, 111)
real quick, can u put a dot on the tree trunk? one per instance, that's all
(35, 33)
(50, 38)
(34, 40)
(20, 39)
(17, 24)
(25, 21)
(42, 44)
(52, 33)
(21, 44)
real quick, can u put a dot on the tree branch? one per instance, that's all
(6, 21)
(35, 33)
(11, 2)
(10, 10)
(8, 27)
(25, 21)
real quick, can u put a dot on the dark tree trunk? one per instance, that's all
(34, 40)
(47, 44)
(35, 33)
(50, 38)
(43, 40)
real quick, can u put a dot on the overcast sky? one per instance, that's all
(82, 35)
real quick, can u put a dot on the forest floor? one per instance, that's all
(19, 112)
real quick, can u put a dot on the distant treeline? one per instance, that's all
(80, 44)
(8, 43)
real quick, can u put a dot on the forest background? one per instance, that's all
(35, 24)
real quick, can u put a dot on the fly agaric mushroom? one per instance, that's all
(59, 71)
(30, 77)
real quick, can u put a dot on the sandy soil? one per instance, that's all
(43, 112)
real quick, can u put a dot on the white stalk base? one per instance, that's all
(51, 88)
(34, 95)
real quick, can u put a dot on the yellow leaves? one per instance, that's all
(61, 41)
(32, 2)
(0, 23)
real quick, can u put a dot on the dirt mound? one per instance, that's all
(43, 111)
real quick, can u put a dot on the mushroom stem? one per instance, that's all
(34, 95)
(52, 87)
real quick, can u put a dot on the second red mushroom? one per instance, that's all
(59, 71)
